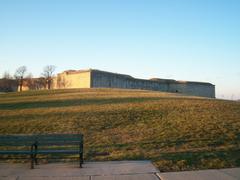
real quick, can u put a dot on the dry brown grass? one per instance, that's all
(175, 132)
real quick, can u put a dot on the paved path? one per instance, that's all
(221, 174)
(119, 170)
(113, 170)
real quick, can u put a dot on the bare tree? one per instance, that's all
(19, 75)
(29, 81)
(48, 74)
(6, 75)
(40, 83)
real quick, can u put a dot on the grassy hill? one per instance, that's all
(175, 132)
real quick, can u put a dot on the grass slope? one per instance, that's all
(175, 132)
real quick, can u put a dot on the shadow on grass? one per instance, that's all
(72, 102)
(215, 159)
(81, 102)
(184, 160)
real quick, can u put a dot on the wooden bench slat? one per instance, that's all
(16, 143)
(61, 136)
(58, 151)
(14, 152)
(16, 140)
(16, 136)
(59, 140)
(50, 143)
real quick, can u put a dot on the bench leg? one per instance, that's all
(80, 160)
(32, 161)
(35, 154)
(35, 159)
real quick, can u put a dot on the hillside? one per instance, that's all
(175, 132)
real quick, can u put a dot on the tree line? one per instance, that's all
(21, 74)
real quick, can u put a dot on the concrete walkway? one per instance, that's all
(221, 174)
(113, 170)
(119, 170)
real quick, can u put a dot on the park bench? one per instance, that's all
(32, 146)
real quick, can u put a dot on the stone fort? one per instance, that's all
(101, 79)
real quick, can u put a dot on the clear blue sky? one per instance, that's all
(196, 40)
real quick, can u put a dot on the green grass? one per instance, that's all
(175, 132)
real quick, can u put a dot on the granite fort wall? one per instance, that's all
(74, 79)
(101, 79)
(192, 88)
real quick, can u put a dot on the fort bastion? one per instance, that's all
(101, 79)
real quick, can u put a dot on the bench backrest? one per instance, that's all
(59, 139)
(45, 140)
(17, 140)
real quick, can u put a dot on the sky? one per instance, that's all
(195, 40)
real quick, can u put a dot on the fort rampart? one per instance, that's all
(101, 79)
